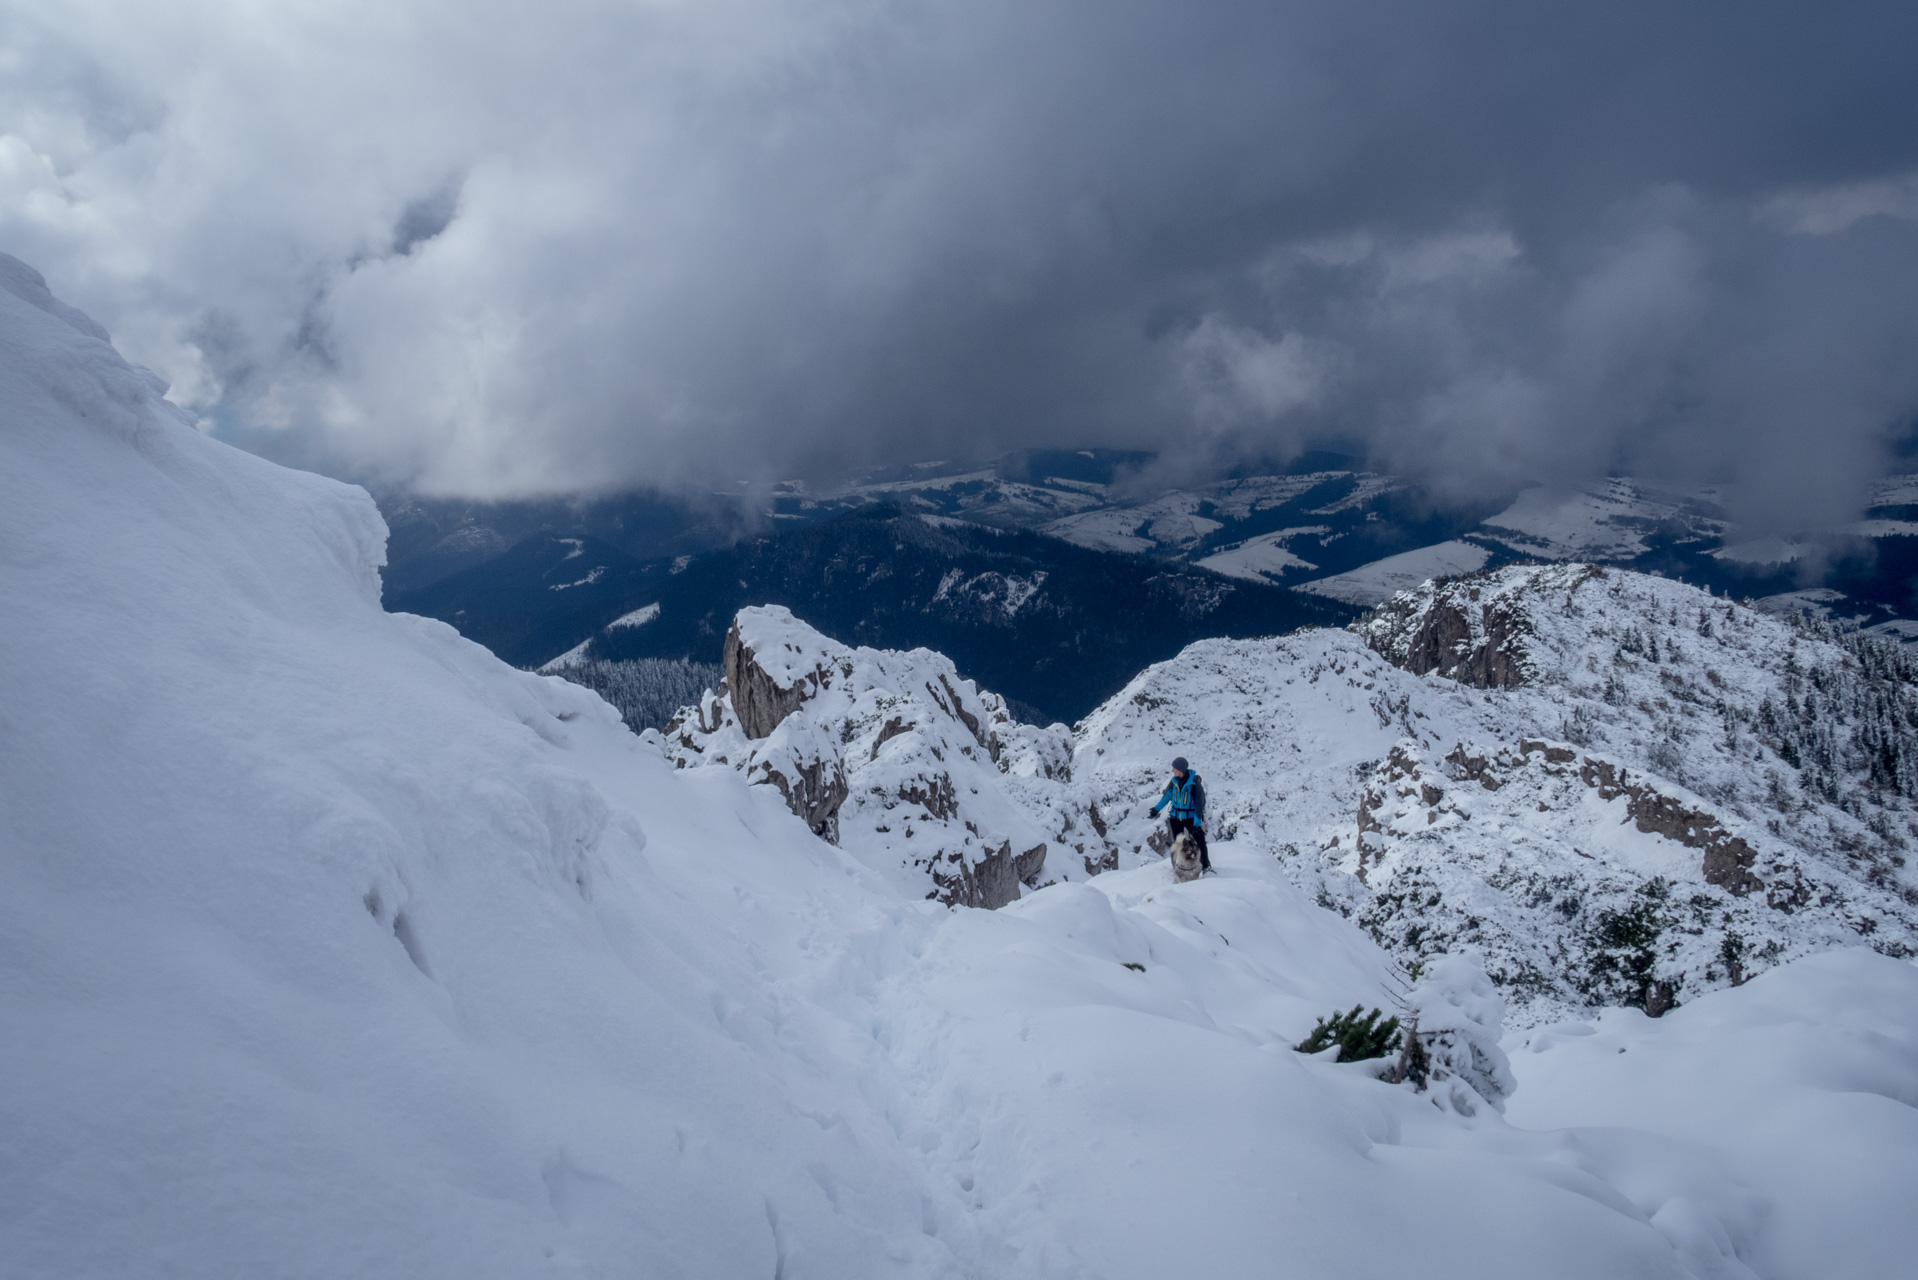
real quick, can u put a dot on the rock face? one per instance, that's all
(758, 699)
(1474, 630)
(896, 758)
(1728, 859)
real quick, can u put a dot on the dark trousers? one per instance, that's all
(1176, 825)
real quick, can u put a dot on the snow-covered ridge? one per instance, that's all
(897, 758)
(1614, 787)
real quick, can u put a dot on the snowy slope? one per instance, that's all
(1791, 1094)
(331, 946)
(1180, 520)
(1638, 796)
(1379, 581)
(1265, 558)
(1610, 520)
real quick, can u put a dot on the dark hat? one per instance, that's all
(1179, 765)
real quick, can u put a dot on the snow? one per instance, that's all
(1382, 579)
(1777, 551)
(1368, 488)
(1173, 522)
(1816, 602)
(1895, 491)
(1119, 530)
(578, 654)
(1901, 629)
(593, 575)
(571, 658)
(1261, 559)
(1316, 747)
(1882, 529)
(1000, 595)
(1792, 1093)
(637, 618)
(912, 768)
(1606, 521)
(979, 494)
(330, 946)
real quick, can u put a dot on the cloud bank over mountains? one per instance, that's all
(492, 249)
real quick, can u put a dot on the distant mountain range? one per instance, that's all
(1056, 626)
(1053, 575)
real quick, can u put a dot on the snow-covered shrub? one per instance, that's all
(1357, 1036)
(1458, 1017)
(647, 691)
(1624, 958)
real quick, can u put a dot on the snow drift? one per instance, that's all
(331, 946)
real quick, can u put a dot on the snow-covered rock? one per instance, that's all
(1615, 788)
(898, 759)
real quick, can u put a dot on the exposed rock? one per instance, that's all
(1473, 768)
(1461, 630)
(760, 699)
(896, 758)
(992, 881)
(1728, 858)
(813, 790)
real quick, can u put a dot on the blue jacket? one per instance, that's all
(1186, 799)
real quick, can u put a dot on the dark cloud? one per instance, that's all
(1493, 242)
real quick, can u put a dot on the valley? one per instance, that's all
(1062, 569)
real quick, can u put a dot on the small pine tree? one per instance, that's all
(1732, 952)
(1358, 1037)
(1414, 1064)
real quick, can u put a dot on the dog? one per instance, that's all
(1185, 858)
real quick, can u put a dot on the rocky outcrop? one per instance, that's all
(1728, 858)
(759, 699)
(1455, 633)
(990, 882)
(1476, 630)
(748, 711)
(896, 758)
(1614, 908)
(814, 789)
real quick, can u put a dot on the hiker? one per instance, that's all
(1186, 796)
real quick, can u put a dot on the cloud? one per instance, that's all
(1825, 211)
(489, 249)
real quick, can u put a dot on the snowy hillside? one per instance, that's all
(330, 946)
(1618, 788)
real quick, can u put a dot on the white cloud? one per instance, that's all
(1825, 211)
(699, 240)
(1240, 374)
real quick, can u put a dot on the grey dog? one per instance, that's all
(1185, 858)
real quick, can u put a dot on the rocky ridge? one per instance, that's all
(1612, 788)
(1615, 788)
(896, 758)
